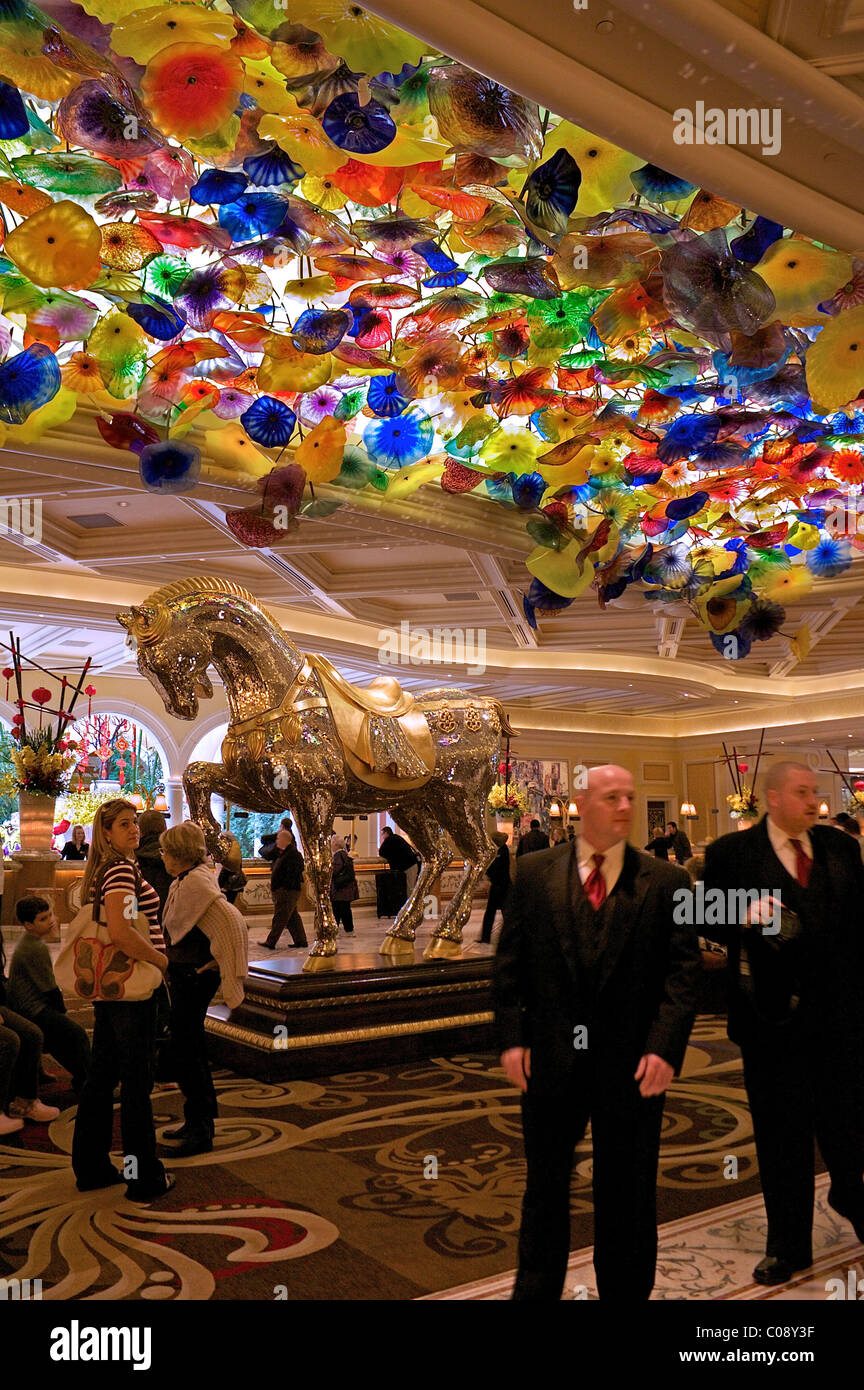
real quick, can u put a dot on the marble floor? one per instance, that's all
(711, 1256)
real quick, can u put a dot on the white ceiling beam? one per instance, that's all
(820, 625)
(670, 630)
(509, 605)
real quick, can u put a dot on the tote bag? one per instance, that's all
(93, 967)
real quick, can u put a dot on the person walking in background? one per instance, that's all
(123, 1030)
(658, 845)
(286, 882)
(535, 839)
(343, 883)
(594, 991)
(268, 848)
(400, 856)
(34, 994)
(207, 944)
(20, 1063)
(796, 1010)
(678, 842)
(77, 847)
(498, 875)
(151, 825)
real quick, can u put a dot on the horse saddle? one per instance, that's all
(384, 734)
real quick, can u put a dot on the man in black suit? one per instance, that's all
(594, 991)
(678, 842)
(796, 1009)
(534, 840)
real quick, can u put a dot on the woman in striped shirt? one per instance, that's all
(123, 1031)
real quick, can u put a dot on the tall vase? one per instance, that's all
(36, 813)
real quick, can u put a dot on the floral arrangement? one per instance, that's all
(80, 807)
(236, 232)
(508, 801)
(42, 765)
(743, 803)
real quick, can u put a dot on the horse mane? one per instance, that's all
(208, 584)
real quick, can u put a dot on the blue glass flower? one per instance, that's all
(254, 214)
(733, 645)
(358, 129)
(660, 186)
(13, 114)
(28, 380)
(539, 597)
(829, 557)
(687, 435)
(552, 191)
(680, 508)
(320, 330)
(269, 422)
(527, 490)
(751, 246)
(385, 396)
(218, 186)
(158, 319)
(447, 272)
(271, 168)
(172, 465)
(396, 442)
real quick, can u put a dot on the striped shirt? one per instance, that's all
(122, 878)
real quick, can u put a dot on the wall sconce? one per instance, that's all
(573, 811)
(824, 810)
(554, 808)
(688, 811)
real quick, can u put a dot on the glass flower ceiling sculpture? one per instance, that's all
(346, 259)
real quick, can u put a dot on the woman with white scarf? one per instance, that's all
(207, 942)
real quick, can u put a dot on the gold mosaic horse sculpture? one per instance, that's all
(301, 736)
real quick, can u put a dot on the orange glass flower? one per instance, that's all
(126, 246)
(192, 89)
(320, 453)
(59, 246)
(22, 198)
(83, 373)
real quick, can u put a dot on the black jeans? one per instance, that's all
(626, 1143)
(495, 903)
(20, 1055)
(343, 914)
(191, 994)
(123, 1048)
(67, 1042)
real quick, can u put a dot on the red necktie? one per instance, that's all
(595, 883)
(802, 863)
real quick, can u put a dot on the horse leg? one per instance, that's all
(435, 851)
(315, 836)
(467, 827)
(200, 781)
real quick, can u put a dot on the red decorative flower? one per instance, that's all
(742, 767)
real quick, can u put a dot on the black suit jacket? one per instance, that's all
(531, 842)
(646, 988)
(831, 963)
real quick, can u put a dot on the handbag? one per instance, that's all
(93, 967)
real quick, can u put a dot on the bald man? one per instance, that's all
(595, 992)
(796, 1009)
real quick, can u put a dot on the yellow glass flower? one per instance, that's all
(312, 288)
(245, 285)
(267, 86)
(605, 168)
(146, 32)
(800, 276)
(365, 42)
(127, 246)
(286, 369)
(323, 192)
(794, 583)
(47, 417)
(558, 570)
(23, 64)
(718, 608)
(231, 449)
(835, 362)
(115, 338)
(320, 453)
(511, 451)
(303, 140)
(59, 246)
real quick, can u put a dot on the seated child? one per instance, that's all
(33, 991)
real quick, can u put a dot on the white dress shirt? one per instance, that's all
(782, 845)
(613, 861)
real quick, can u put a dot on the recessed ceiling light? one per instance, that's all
(123, 504)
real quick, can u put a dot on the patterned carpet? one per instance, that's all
(389, 1184)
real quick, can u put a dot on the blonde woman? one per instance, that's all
(207, 943)
(123, 1031)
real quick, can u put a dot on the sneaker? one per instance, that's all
(10, 1125)
(34, 1111)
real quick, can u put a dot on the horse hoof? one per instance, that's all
(315, 964)
(397, 947)
(440, 948)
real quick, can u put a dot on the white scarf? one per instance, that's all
(195, 900)
(188, 900)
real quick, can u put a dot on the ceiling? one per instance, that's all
(339, 582)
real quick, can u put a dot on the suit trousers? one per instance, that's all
(626, 1144)
(494, 903)
(285, 914)
(797, 1096)
(191, 995)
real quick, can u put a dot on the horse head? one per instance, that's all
(173, 655)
